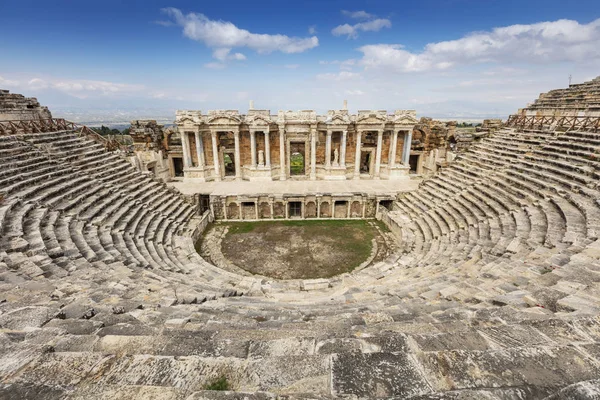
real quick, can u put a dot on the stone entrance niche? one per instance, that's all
(366, 162)
(310, 210)
(295, 209)
(249, 210)
(341, 209)
(229, 163)
(227, 146)
(297, 159)
(325, 210)
(233, 211)
(387, 204)
(414, 162)
(178, 166)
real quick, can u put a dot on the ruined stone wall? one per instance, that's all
(432, 139)
(150, 147)
(20, 108)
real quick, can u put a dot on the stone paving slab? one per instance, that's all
(232, 188)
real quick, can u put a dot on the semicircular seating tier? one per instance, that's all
(495, 292)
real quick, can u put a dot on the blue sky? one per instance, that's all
(455, 58)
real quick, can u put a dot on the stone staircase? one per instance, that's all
(494, 292)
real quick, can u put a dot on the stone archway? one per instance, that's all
(310, 210)
(278, 210)
(249, 210)
(325, 210)
(233, 211)
(356, 209)
(264, 211)
(341, 209)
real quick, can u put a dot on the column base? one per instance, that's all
(399, 172)
(335, 173)
(195, 174)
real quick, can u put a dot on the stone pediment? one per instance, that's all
(258, 120)
(405, 117)
(371, 118)
(188, 117)
(223, 119)
(338, 119)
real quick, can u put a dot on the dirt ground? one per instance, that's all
(298, 249)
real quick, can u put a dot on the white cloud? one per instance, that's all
(351, 31)
(223, 35)
(222, 54)
(83, 88)
(340, 76)
(555, 41)
(37, 84)
(358, 14)
(215, 65)
(291, 66)
(312, 30)
(8, 82)
(356, 92)
(345, 64)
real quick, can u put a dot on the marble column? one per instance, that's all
(328, 150)
(378, 153)
(393, 145)
(318, 208)
(237, 156)
(313, 154)
(406, 149)
(283, 173)
(357, 156)
(185, 145)
(199, 149)
(267, 150)
(253, 148)
(215, 156)
(343, 149)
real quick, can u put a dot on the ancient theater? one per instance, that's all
(288, 254)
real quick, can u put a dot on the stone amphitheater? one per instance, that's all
(494, 292)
